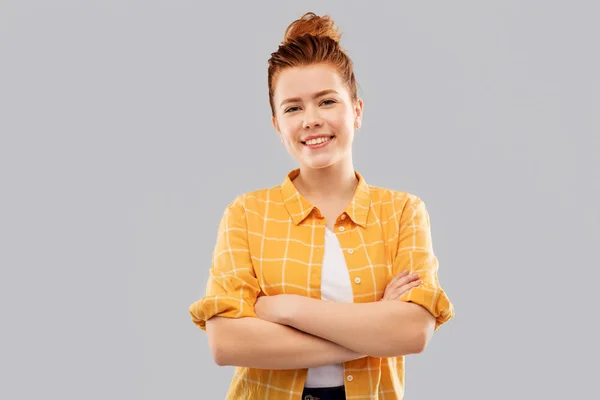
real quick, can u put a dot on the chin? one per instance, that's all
(318, 164)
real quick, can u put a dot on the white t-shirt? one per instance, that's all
(335, 286)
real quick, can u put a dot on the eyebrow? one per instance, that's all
(316, 95)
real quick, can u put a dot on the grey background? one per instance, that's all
(127, 127)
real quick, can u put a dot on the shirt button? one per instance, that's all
(350, 378)
(342, 229)
(350, 251)
(357, 280)
(343, 217)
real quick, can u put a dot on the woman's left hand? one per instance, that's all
(275, 308)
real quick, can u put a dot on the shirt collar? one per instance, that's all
(299, 208)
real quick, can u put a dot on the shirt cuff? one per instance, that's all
(434, 299)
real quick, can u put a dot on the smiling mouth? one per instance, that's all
(320, 140)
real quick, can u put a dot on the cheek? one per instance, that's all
(343, 124)
(342, 120)
(288, 130)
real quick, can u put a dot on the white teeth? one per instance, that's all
(317, 141)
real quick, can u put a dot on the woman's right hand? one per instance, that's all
(400, 284)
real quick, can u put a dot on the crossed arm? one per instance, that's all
(376, 329)
(300, 332)
(289, 332)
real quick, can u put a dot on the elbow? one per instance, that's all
(414, 337)
(219, 355)
(422, 333)
(422, 337)
(398, 348)
(217, 343)
(419, 343)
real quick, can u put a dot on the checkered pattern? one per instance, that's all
(271, 241)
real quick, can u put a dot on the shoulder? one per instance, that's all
(400, 206)
(387, 197)
(257, 199)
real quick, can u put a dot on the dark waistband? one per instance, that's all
(327, 393)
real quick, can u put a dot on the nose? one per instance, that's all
(312, 119)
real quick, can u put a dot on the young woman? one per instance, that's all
(321, 285)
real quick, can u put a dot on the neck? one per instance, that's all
(335, 181)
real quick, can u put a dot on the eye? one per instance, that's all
(291, 109)
(327, 102)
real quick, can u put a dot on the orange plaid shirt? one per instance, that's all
(271, 241)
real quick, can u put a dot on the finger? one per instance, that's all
(399, 292)
(398, 276)
(389, 291)
(406, 279)
(405, 288)
(411, 285)
(399, 280)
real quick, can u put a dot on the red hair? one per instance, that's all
(311, 40)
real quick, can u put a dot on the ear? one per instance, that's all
(358, 113)
(276, 126)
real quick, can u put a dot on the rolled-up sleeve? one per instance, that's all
(232, 287)
(415, 253)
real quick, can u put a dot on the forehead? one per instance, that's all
(306, 80)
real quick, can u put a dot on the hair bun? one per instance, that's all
(312, 24)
